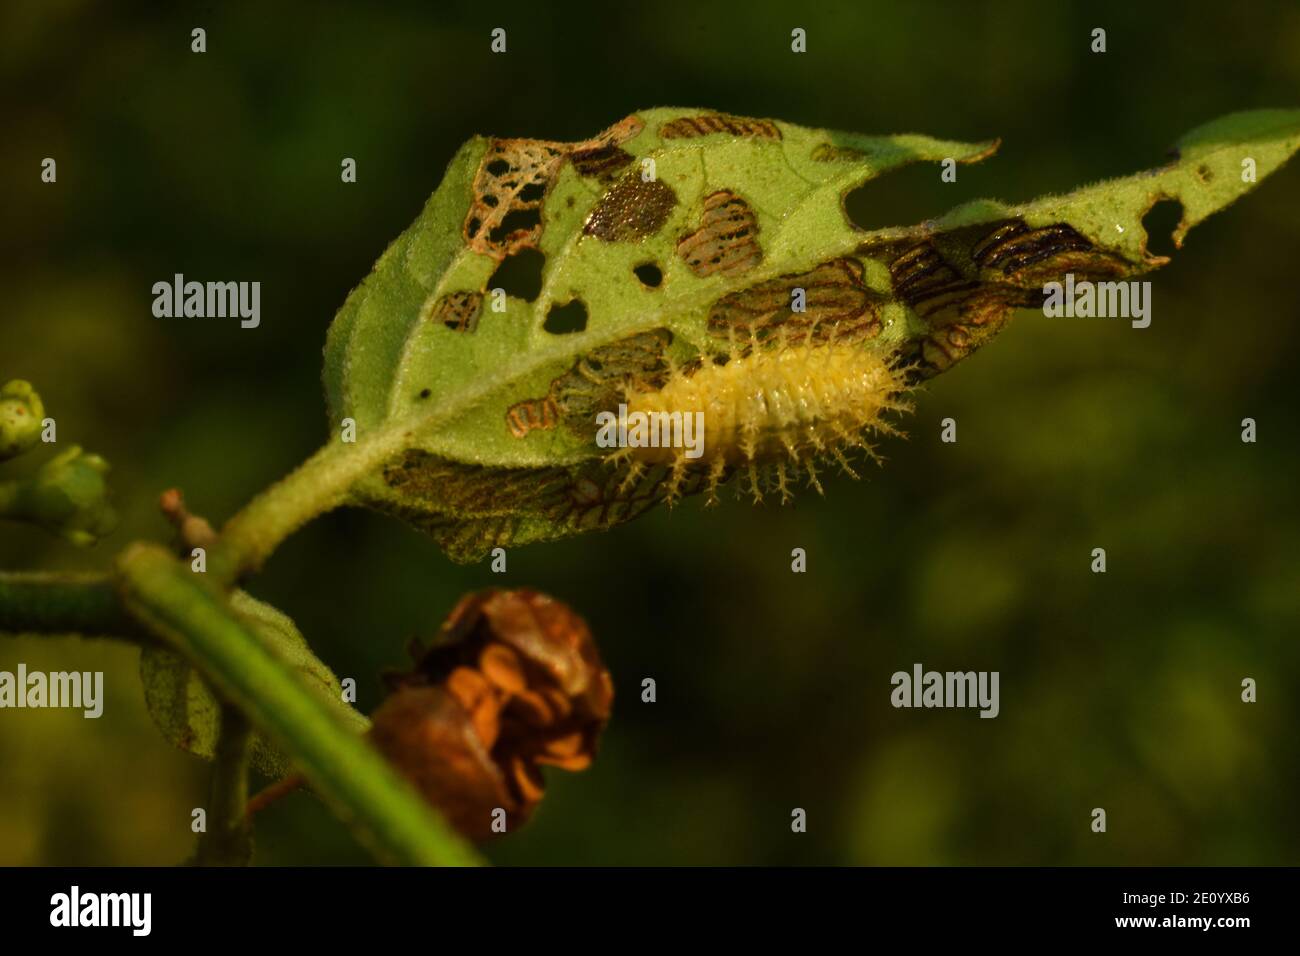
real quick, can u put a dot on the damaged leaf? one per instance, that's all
(733, 216)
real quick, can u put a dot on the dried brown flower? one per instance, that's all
(512, 683)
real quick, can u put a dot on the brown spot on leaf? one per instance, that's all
(726, 241)
(510, 167)
(923, 279)
(603, 162)
(600, 379)
(837, 302)
(830, 153)
(632, 209)
(514, 178)
(470, 509)
(688, 127)
(1013, 246)
(537, 413)
(966, 282)
(597, 380)
(459, 311)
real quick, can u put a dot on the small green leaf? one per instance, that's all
(672, 241)
(189, 715)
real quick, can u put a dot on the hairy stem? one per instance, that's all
(318, 485)
(192, 615)
(60, 604)
(228, 840)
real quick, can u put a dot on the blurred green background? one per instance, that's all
(1118, 690)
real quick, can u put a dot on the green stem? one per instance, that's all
(228, 840)
(76, 603)
(318, 485)
(342, 767)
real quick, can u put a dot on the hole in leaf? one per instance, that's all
(532, 192)
(513, 220)
(425, 392)
(1160, 222)
(905, 197)
(566, 319)
(649, 274)
(520, 275)
(498, 166)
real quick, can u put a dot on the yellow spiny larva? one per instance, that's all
(772, 408)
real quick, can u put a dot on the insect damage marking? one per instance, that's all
(961, 310)
(631, 210)
(523, 417)
(459, 311)
(921, 275)
(588, 499)
(600, 499)
(470, 509)
(1013, 246)
(726, 240)
(600, 161)
(688, 127)
(965, 282)
(830, 153)
(439, 484)
(514, 177)
(835, 295)
(594, 380)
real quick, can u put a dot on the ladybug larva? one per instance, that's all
(771, 410)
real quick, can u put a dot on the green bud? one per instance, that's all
(67, 496)
(21, 413)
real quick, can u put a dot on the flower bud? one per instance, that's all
(21, 414)
(67, 496)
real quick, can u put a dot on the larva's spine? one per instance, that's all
(774, 409)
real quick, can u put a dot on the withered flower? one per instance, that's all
(512, 683)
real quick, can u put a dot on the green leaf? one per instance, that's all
(495, 409)
(189, 715)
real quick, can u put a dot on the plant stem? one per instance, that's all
(228, 840)
(192, 615)
(273, 792)
(319, 484)
(60, 604)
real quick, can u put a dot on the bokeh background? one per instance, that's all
(1118, 690)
